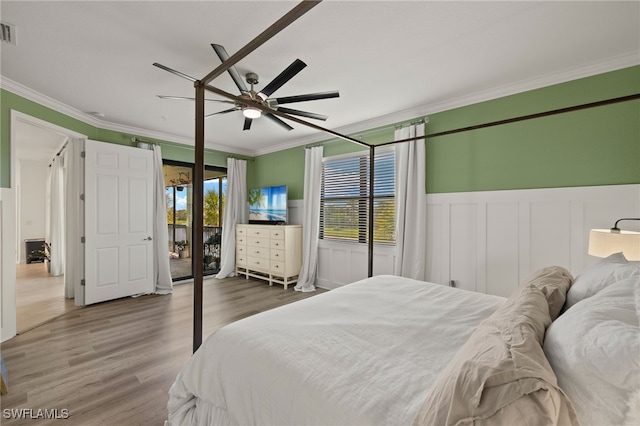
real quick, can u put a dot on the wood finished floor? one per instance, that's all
(39, 296)
(113, 363)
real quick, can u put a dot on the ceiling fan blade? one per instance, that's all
(303, 113)
(221, 112)
(247, 123)
(186, 98)
(307, 97)
(172, 71)
(282, 78)
(233, 72)
(278, 121)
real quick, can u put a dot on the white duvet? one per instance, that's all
(365, 353)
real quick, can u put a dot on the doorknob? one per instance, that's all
(148, 239)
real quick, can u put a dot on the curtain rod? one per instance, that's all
(138, 140)
(66, 142)
(423, 120)
(239, 158)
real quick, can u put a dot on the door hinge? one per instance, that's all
(83, 154)
(82, 239)
(82, 197)
(82, 282)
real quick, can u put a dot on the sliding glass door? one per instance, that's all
(215, 190)
(178, 181)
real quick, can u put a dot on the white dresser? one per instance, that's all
(269, 252)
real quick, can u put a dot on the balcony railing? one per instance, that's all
(182, 267)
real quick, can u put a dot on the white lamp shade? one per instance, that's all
(603, 242)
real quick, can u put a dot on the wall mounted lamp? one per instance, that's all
(603, 242)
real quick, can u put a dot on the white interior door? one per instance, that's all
(118, 221)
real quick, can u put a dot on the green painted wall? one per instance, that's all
(286, 167)
(10, 101)
(597, 146)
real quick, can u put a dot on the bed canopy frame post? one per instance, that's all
(372, 157)
(198, 219)
(203, 85)
(198, 184)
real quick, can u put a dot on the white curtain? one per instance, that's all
(311, 219)
(74, 219)
(56, 216)
(236, 210)
(161, 267)
(411, 204)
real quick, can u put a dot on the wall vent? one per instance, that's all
(8, 33)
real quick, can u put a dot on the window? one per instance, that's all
(345, 195)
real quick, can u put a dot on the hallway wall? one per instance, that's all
(31, 199)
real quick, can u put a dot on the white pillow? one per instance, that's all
(600, 275)
(593, 349)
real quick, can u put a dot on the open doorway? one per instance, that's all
(40, 294)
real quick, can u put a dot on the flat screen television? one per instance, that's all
(268, 205)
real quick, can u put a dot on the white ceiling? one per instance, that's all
(390, 60)
(34, 143)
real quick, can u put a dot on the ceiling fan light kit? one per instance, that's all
(251, 112)
(261, 98)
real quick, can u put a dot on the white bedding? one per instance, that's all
(366, 353)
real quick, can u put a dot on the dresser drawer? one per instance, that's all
(241, 250)
(258, 232)
(277, 267)
(241, 230)
(258, 264)
(241, 240)
(276, 244)
(258, 242)
(277, 234)
(277, 255)
(241, 259)
(258, 252)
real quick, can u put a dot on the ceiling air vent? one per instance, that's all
(8, 33)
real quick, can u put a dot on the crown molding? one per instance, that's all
(612, 64)
(48, 102)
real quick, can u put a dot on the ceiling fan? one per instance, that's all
(261, 97)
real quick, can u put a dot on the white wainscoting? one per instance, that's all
(490, 241)
(342, 263)
(8, 255)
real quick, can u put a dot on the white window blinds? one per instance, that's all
(344, 197)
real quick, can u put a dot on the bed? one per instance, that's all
(395, 351)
